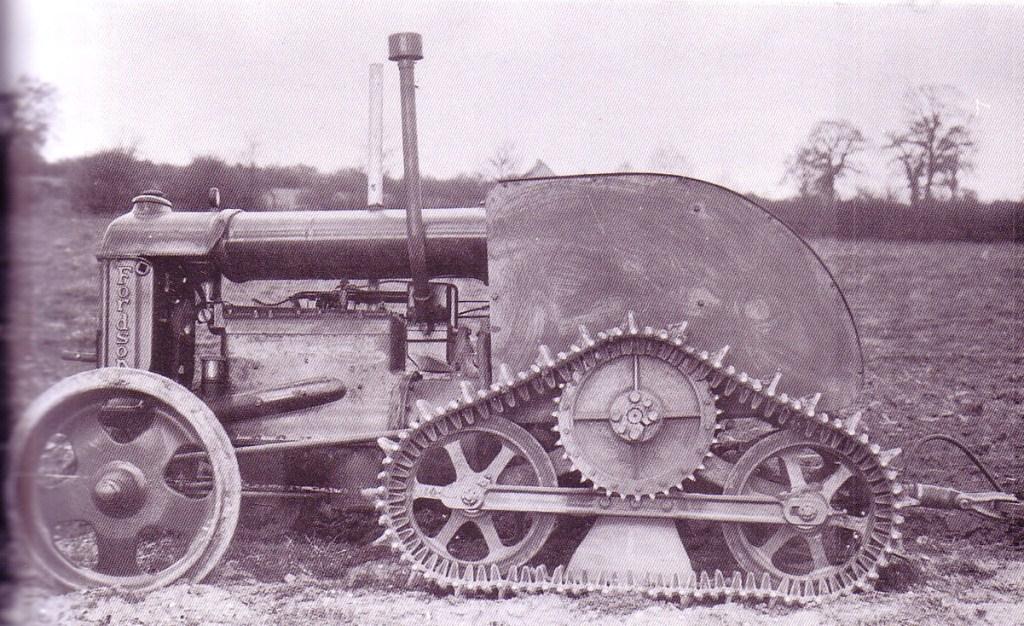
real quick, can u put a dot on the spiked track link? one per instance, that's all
(550, 374)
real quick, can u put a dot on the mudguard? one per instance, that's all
(586, 249)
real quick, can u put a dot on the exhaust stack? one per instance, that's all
(406, 49)
(374, 166)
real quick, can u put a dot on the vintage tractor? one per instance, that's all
(598, 455)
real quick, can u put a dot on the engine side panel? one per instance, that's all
(271, 346)
(587, 249)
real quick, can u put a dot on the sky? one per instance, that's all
(720, 92)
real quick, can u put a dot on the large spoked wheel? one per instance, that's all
(122, 478)
(835, 500)
(494, 452)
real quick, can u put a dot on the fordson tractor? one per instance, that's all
(629, 362)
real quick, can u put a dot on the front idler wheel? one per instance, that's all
(121, 478)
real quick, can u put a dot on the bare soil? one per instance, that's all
(942, 326)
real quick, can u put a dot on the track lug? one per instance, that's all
(631, 323)
(371, 493)
(888, 456)
(426, 411)
(468, 393)
(852, 422)
(387, 446)
(585, 337)
(505, 374)
(720, 356)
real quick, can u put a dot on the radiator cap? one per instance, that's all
(151, 204)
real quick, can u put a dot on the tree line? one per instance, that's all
(932, 149)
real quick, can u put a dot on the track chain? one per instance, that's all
(549, 374)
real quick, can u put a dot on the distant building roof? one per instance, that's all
(540, 169)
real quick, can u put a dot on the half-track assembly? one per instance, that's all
(566, 389)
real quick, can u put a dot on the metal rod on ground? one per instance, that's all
(406, 49)
(374, 159)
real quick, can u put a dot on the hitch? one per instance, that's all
(990, 504)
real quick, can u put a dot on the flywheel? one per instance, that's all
(122, 478)
(636, 425)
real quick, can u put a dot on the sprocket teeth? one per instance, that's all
(585, 337)
(774, 384)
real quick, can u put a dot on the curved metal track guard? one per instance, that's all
(585, 249)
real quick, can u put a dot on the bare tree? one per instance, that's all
(825, 157)
(935, 145)
(505, 162)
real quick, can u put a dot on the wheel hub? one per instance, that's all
(635, 415)
(806, 511)
(636, 424)
(119, 489)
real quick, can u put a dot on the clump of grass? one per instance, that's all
(965, 566)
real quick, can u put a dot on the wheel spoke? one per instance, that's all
(458, 459)
(161, 440)
(421, 490)
(500, 462)
(777, 540)
(65, 501)
(490, 534)
(817, 547)
(184, 514)
(793, 470)
(117, 555)
(89, 441)
(855, 523)
(835, 481)
(456, 521)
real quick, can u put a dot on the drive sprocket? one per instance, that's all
(840, 443)
(621, 423)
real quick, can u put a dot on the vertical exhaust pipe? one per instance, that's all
(406, 49)
(374, 156)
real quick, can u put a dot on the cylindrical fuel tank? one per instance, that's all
(352, 244)
(297, 245)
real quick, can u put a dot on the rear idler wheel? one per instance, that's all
(838, 504)
(121, 478)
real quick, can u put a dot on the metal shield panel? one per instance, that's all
(586, 249)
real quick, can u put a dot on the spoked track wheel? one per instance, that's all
(432, 499)
(837, 501)
(122, 478)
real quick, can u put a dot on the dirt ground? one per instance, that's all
(942, 326)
